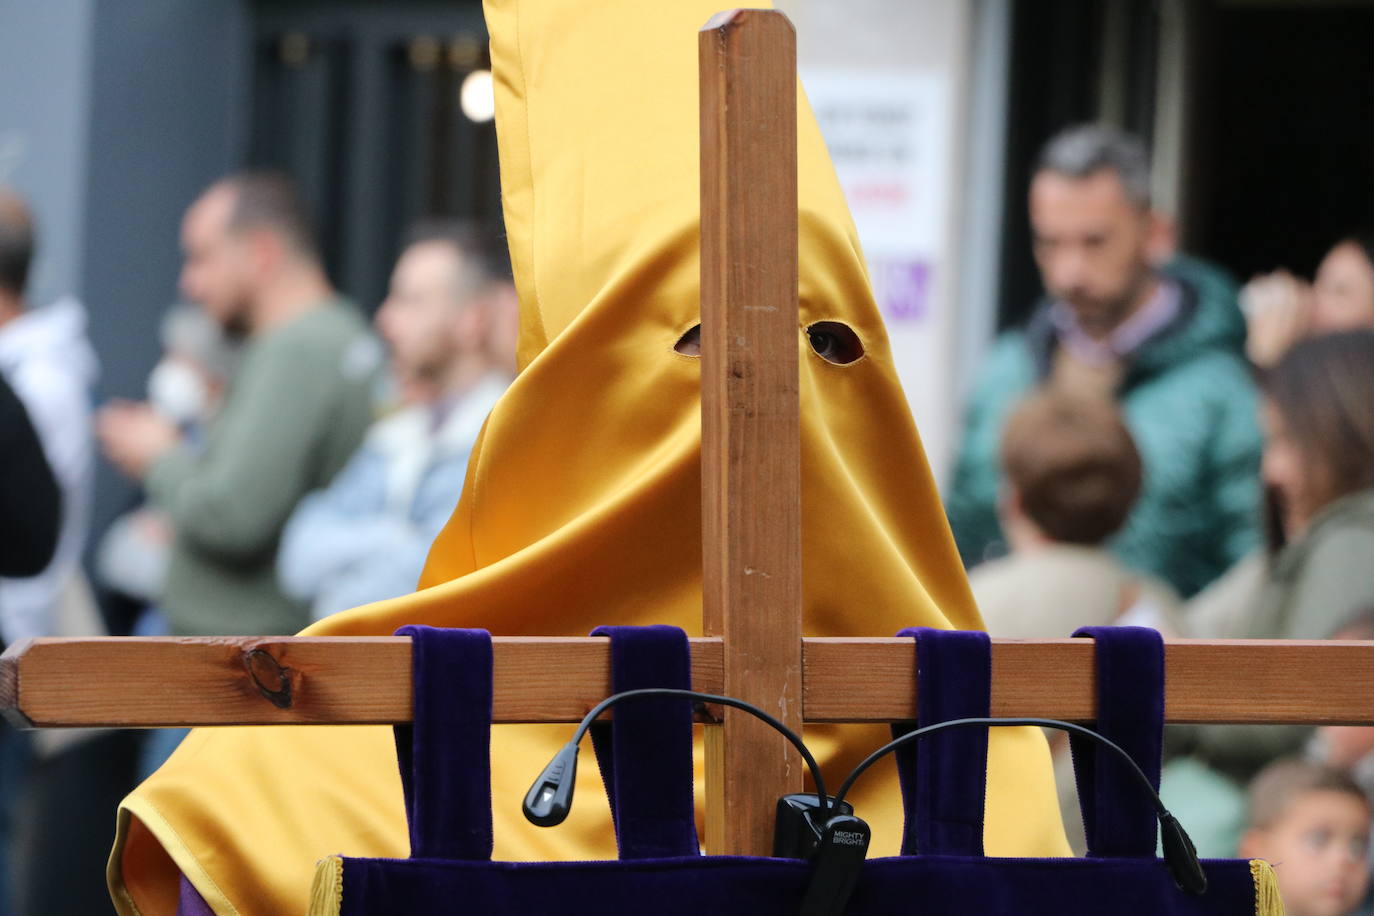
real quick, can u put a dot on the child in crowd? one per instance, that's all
(1072, 474)
(1350, 748)
(1312, 823)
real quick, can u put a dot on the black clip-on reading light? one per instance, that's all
(550, 798)
(811, 827)
(824, 830)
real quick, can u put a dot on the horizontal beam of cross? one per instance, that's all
(171, 681)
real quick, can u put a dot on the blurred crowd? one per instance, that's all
(1159, 447)
(1155, 447)
(291, 462)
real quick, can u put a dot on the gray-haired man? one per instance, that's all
(1124, 318)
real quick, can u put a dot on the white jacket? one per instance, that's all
(47, 360)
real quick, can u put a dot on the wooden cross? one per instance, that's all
(751, 552)
(750, 415)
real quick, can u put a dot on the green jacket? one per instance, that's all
(296, 411)
(1190, 403)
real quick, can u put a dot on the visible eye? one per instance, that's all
(835, 342)
(689, 344)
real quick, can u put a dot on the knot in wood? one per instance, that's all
(270, 676)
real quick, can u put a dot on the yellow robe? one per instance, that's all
(582, 503)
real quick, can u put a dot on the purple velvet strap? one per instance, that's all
(944, 776)
(645, 751)
(1118, 816)
(445, 755)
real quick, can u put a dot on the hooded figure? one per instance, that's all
(582, 501)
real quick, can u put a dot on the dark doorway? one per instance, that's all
(1285, 134)
(359, 102)
(1055, 74)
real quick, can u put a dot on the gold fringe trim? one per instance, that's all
(326, 893)
(1267, 899)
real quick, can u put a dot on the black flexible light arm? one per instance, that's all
(975, 722)
(1179, 852)
(550, 797)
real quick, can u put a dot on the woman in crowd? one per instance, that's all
(1318, 414)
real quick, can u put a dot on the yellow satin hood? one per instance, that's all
(582, 503)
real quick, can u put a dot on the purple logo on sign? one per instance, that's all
(903, 288)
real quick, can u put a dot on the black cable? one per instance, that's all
(1180, 855)
(550, 796)
(560, 776)
(777, 725)
(1070, 727)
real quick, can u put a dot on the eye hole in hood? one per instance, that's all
(689, 344)
(835, 342)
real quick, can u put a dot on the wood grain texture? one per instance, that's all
(166, 681)
(355, 680)
(751, 445)
(1207, 681)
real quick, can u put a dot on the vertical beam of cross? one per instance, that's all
(751, 475)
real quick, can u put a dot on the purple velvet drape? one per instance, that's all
(446, 759)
